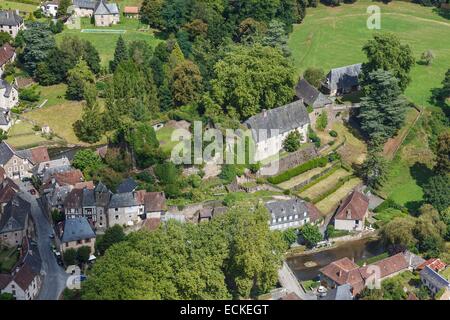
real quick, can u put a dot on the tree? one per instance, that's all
(383, 109)
(186, 83)
(290, 236)
(120, 54)
(83, 254)
(3, 135)
(322, 121)
(276, 37)
(70, 257)
(87, 161)
(374, 169)
(90, 127)
(399, 232)
(91, 56)
(380, 52)
(6, 296)
(437, 192)
(5, 38)
(314, 76)
(310, 234)
(427, 57)
(62, 8)
(39, 41)
(251, 31)
(292, 141)
(442, 165)
(249, 79)
(77, 78)
(228, 173)
(56, 27)
(150, 13)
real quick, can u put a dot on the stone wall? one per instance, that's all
(296, 158)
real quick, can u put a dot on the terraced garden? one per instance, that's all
(328, 204)
(324, 185)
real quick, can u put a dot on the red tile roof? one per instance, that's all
(87, 184)
(6, 194)
(74, 199)
(24, 277)
(155, 201)
(434, 263)
(354, 207)
(133, 10)
(71, 177)
(39, 154)
(344, 271)
(314, 213)
(388, 266)
(6, 53)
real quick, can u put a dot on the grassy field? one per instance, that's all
(330, 202)
(106, 43)
(324, 185)
(12, 5)
(22, 136)
(8, 258)
(333, 37)
(302, 177)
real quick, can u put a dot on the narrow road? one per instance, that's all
(54, 276)
(288, 281)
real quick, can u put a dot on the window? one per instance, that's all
(116, 209)
(117, 217)
(357, 222)
(79, 242)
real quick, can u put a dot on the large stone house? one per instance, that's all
(292, 213)
(7, 55)
(11, 22)
(106, 14)
(102, 198)
(270, 127)
(352, 213)
(77, 233)
(84, 8)
(9, 96)
(342, 80)
(18, 164)
(16, 222)
(24, 281)
(125, 209)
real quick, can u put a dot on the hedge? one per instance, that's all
(340, 183)
(320, 178)
(290, 173)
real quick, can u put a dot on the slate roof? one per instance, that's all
(14, 215)
(343, 292)
(285, 208)
(6, 152)
(155, 201)
(74, 199)
(354, 207)
(88, 198)
(5, 279)
(121, 200)
(4, 117)
(103, 8)
(10, 18)
(49, 165)
(127, 185)
(77, 229)
(86, 4)
(285, 119)
(8, 88)
(7, 194)
(437, 280)
(310, 95)
(343, 77)
(6, 53)
(58, 196)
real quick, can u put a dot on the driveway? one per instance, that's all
(54, 276)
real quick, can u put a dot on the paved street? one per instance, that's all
(54, 276)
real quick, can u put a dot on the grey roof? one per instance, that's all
(310, 95)
(88, 198)
(104, 8)
(286, 208)
(15, 215)
(437, 280)
(86, 4)
(52, 165)
(77, 229)
(8, 88)
(6, 152)
(10, 18)
(285, 119)
(343, 292)
(343, 77)
(121, 200)
(413, 260)
(101, 187)
(49, 172)
(127, 185)
(58, 195)
(4, 118)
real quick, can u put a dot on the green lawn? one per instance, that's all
(22, 136)
(330, 203)
(12, 5)
(106, 43)
(8, 258)
(324, 185)
(295, 181)
(333, 37)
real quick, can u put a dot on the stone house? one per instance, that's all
(292, 213)
(84, 8)
(270, 127)
(73, 205)
(352, 213)
(154, 204)
(342, 80)
(131, 12)
(9, 96)
(106, 14)
(50, 8)
(125, 209)
(433, 280)
(16, 222)
(102, 197)
(11, 22)
(15, 164)
(77, 233)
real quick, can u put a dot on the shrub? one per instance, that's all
(288, 174)
(29, 94)
(292, 141)
(313, 137)
(333, 133)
